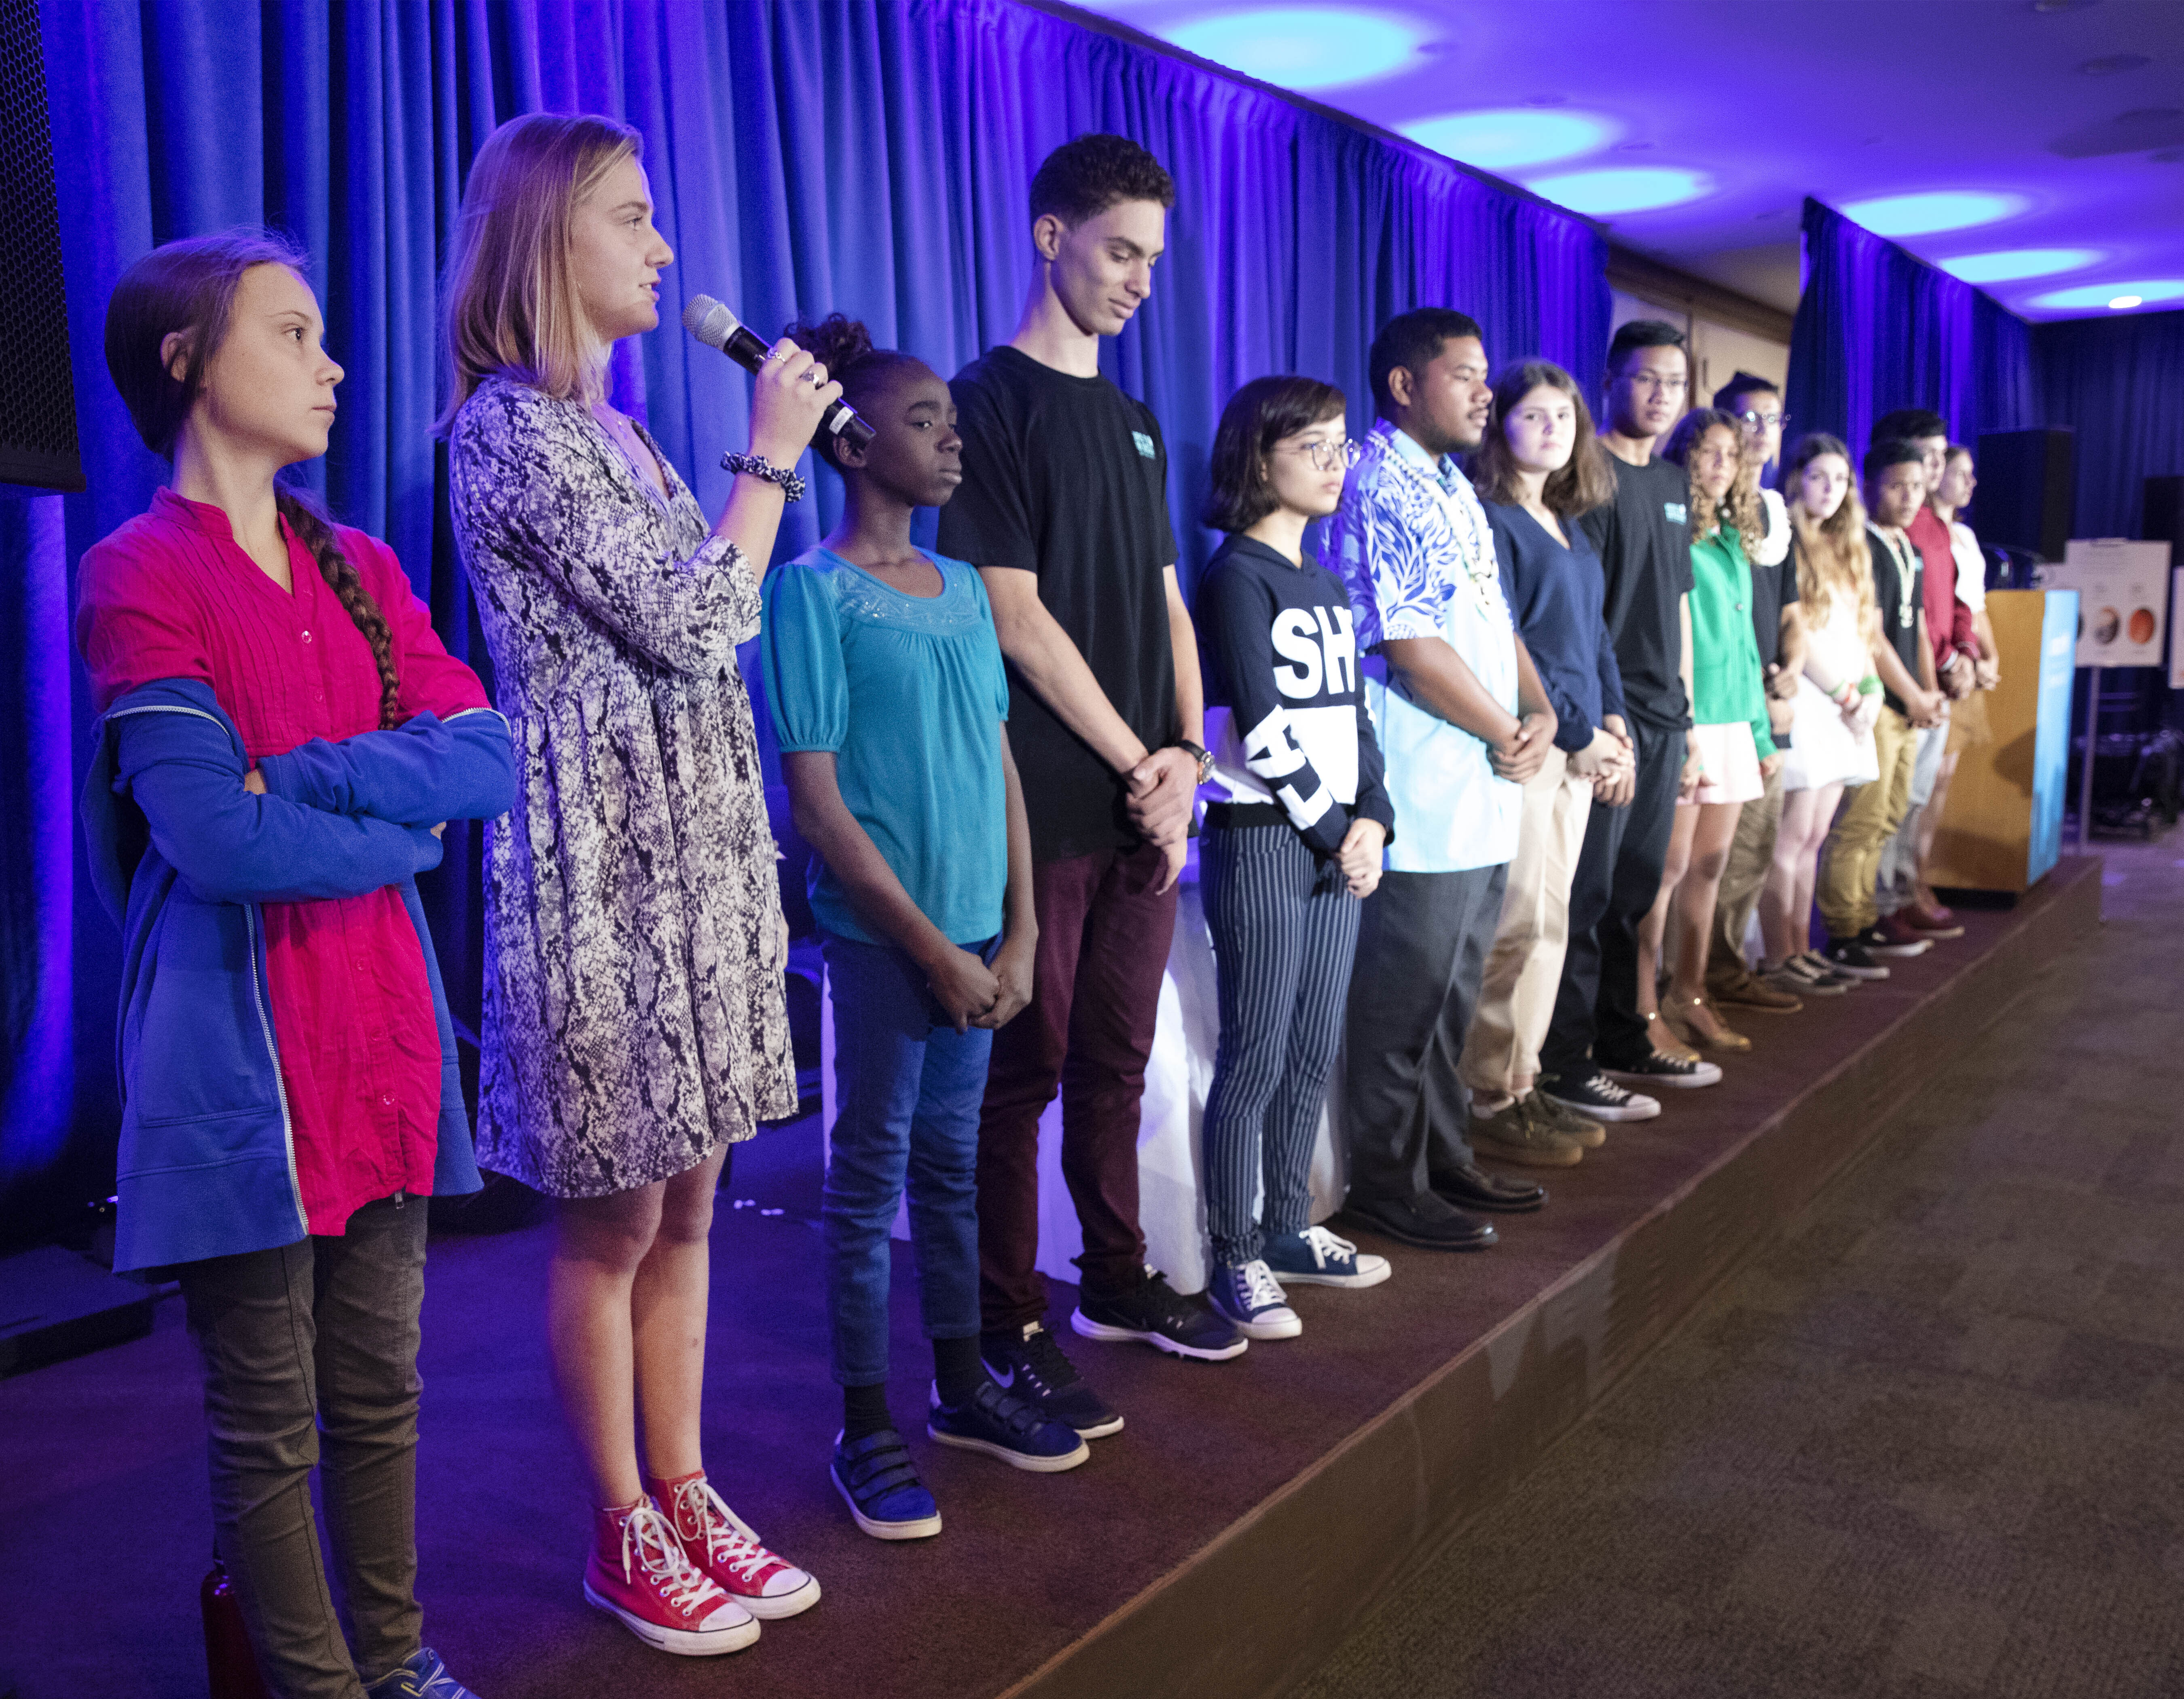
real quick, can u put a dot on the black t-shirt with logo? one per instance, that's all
(1644, 539)
(1899, 586)
(1067, 477)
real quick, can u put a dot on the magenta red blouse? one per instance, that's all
(171, 595)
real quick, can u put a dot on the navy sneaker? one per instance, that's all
(1316, 1257)
(1155, 1313)
(1249, 1296)
(879, 1483)
(1596, 1097)
(1028, 1364)
(423, 1676)
(1019, 1433)
(1650, 1068)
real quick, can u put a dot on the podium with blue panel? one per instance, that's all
(2002, 829)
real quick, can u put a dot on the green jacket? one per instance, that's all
(1727, 683)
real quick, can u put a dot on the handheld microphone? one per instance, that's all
(716, 326)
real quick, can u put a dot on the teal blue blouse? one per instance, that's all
(908, 694)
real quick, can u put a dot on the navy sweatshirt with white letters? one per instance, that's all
(1285, 716)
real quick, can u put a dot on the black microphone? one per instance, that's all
(716, 326)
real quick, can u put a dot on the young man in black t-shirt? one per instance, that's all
(1063, 508)
(1598, 1044)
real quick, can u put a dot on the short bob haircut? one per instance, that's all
(1258, 415)
(510, 301)
(1580, 486)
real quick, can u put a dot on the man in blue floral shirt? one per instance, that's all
(1463, 722)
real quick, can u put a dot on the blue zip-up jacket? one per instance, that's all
(182, 855)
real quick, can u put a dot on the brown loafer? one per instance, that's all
(1744, 990)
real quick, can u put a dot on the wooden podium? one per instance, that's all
(2002, 826)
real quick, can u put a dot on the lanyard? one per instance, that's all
(1904, 577)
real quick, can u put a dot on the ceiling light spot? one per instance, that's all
(1623, 190)
(1924, 215)
(1301, 47)
(2122, 301)
(2093, 295)
(2014, 263)
(2112, 63)
(1502, 140)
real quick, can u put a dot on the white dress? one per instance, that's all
(1823, 748)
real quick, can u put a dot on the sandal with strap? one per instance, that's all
(1693, 1019)
(879, 1483)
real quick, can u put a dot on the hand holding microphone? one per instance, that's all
(794, 400)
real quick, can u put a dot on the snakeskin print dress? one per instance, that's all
(634, 1018)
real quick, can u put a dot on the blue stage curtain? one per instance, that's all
(806, 155)
(2119, 382)
(1877, 329)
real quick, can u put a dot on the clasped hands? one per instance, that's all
(1158, 795)
(1610, 761)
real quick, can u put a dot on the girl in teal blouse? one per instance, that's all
(1730, 731)
(884, 678)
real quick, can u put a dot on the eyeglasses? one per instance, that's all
(1757, 422)
(1654, 381)
(1326, 456)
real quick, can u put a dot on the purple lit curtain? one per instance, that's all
(867, 155)
(1877, 329)
(2119, 382)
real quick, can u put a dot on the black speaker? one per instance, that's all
(2165, 515)
(2027, 485)
(37, 398)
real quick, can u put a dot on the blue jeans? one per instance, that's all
(907, 1088)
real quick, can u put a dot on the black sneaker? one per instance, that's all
(1650, 1068)
(1597, 1097)
(1153, 1313)
(1028, 1364)
(1850, 956)
(1825, 973)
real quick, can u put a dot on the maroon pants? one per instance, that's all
(1103, 940)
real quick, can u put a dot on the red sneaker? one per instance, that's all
(721, 1544)
(637, 1571)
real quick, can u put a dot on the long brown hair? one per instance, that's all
(1833, 557)
(188, 288)
(1581, 485)
(1741, 506)
(510, 301)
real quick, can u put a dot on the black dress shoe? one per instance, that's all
(1474, 1187)
(1428, 1222)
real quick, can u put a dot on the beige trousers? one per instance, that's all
(1524, 969)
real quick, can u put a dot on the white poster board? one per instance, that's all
(2123, 600)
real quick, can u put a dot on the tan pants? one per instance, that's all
(1870, 816)
(1750, 856)
(1524, 970)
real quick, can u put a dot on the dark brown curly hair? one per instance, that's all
(188, 288)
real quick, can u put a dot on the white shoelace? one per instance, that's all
(1260, 1289)
(1326, 1248)
(730, 1544)
(1610, 1089)
(649, 1538)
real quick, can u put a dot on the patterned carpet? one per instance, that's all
(1929, 1443)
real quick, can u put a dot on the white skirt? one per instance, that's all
(1732, 764)
(1823, 750)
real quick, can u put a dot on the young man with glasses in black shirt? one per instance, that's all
(1063, 508)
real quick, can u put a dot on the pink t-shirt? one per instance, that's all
(170, 594)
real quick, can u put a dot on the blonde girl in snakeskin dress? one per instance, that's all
(634, 1022)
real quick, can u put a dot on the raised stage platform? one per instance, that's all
(1223, 1543)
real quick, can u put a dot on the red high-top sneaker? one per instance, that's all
(638, 1571)
(721, 1544)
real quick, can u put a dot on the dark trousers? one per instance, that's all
(1103, 942)
(1618, 878)
(1421, 945)
(1284, 929)
(310, 1357)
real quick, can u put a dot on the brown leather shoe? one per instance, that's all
(1743, 990)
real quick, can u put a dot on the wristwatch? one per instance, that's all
(1202, 756)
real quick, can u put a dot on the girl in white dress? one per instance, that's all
(1838, 698)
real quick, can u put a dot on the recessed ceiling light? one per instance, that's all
(1301, 47)
(2093, 295)
(1623, 190)
(2122, 302)
(2112, 63)
(2018, 262)
(1924, 214)
(1507, 139)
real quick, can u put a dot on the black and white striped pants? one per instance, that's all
(1285, 930)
